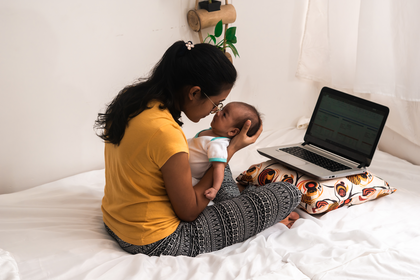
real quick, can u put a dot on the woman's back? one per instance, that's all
(136, 205)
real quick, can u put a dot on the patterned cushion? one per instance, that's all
(319, 196)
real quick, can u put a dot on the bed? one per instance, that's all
(55, 231)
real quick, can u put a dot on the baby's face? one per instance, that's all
(225, 120)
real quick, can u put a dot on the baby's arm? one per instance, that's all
(218, 175)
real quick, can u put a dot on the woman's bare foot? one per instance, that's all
(291, 219)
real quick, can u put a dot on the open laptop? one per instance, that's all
(344, 131)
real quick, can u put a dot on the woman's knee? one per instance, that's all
(282, 188)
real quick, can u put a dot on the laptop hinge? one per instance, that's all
(305, 143)
(348, 161)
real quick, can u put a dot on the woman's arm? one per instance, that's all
(188, 201)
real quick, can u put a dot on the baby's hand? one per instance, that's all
(210, 193)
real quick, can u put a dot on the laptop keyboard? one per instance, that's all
(315, 159)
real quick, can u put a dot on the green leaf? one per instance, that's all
(230, 33)
(233, 48)
(220, 44)
(205, 39)
(218, 29)
(212, 38)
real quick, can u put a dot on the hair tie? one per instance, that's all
(187, 46)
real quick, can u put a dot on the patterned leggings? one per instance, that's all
(233, 218)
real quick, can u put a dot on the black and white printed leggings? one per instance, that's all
(233, 218)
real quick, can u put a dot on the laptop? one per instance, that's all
(340, 140)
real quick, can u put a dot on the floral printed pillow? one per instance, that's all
(319, 196)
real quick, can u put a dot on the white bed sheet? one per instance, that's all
(55, 231)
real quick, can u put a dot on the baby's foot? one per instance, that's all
(291, 219)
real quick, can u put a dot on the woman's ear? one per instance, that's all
(233, 132)
(193, 92)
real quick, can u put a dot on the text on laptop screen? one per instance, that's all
(347, 125)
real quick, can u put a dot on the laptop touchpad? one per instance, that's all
(293, 160)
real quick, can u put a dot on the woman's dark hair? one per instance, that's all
(204, 66)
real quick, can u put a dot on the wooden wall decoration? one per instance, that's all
(199, 19)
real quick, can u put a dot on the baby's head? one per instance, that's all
(229, 121)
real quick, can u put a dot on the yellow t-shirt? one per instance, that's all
(136, 206)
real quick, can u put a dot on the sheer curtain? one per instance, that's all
(370, 48)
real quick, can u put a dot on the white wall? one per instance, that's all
(269, 36)
(62, 61)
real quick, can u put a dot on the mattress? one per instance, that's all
(55, 231)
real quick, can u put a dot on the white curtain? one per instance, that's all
(369, 48)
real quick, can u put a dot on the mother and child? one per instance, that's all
(150, 204)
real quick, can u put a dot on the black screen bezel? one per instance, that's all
(360, 157)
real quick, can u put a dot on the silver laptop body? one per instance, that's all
(343, 128)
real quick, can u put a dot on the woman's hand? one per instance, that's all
(242, 140)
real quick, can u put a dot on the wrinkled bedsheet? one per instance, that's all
(55, 231)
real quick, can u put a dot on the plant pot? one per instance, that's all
(211, 7)
(229, 56)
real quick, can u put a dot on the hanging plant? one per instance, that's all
(228, 41)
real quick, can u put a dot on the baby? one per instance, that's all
(209, 147)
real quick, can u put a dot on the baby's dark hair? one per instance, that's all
(251, 113)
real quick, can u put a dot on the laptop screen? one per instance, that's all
(347, 125)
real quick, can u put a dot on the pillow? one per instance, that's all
(319, 196)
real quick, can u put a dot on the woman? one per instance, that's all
(150, 205)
